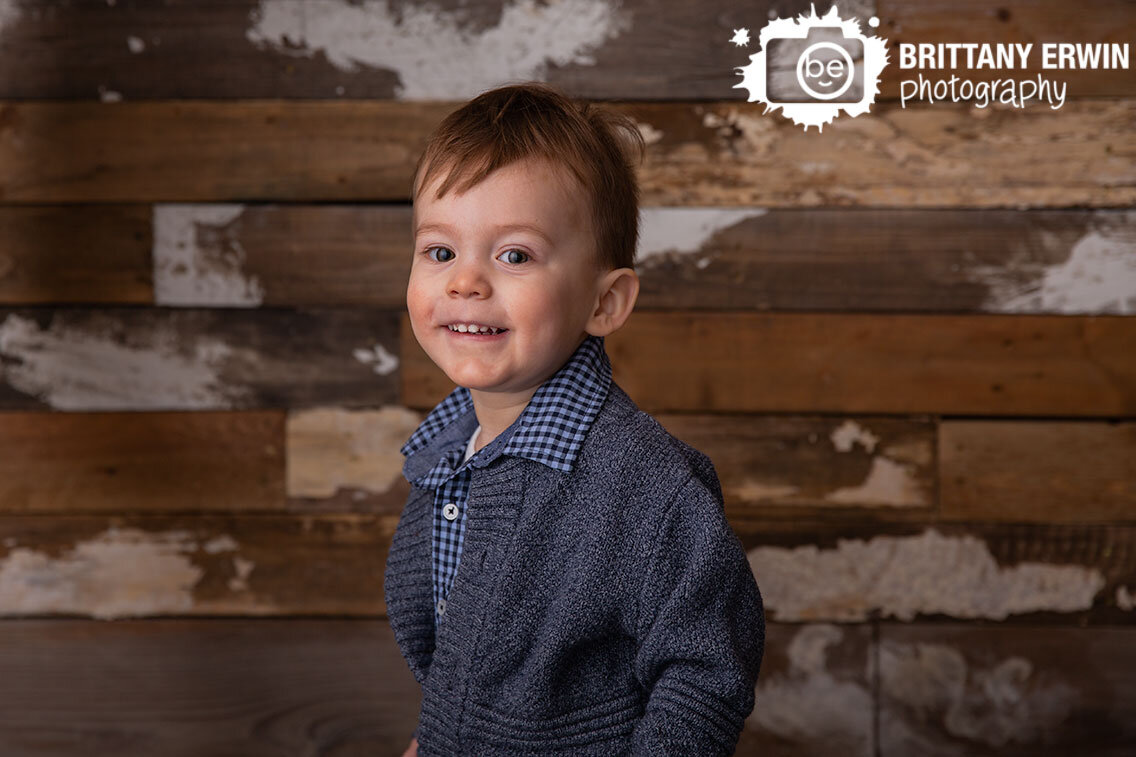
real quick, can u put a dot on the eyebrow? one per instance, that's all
(504, 227)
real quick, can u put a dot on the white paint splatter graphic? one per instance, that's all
(433, 55)
(89, 369)
(379, 358)
(903, 576)
(198, 260)
(801, 75)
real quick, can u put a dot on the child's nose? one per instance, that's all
(468, 279)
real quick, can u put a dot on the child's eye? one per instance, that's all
(431, 249)
(515, 252)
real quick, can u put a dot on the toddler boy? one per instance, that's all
(562, 579)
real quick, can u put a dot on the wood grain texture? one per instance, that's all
(55, 254)
(983, 691)
(111, 567)
(714, 154)
(82, 359)
(638, 49)
(191, 687)
(755, 362)
(248, 255)
(141, 462)
(792, 467)
(1038, 471)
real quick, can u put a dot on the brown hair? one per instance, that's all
(535, 120)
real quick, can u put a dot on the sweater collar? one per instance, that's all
(550, 430)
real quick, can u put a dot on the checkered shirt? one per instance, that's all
(550, 430)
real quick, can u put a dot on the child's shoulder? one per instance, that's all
(631, 451)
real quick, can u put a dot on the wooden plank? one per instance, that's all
(149, 565)
(138, 462)
(85, 254)
(756, 362)
(950, 690)
(826, 570)
(1035, 22)
(194, 687)
(995, 261)
(173, 359)
(814, 695)
(1039, 471)
(789, 467)
(713, 154)
(638, 49)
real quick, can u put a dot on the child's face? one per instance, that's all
(471, 267)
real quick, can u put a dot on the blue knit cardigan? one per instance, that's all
(606, 611)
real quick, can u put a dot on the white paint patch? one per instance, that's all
(109, 95)
(679, 231)
(243, 569)
(136, 44)
(1000, 704)
(332, 448)
(888, 483)
(1125, 600)
(1099, 276)
(903, 576)
(382, 361)
(223, 543)
(9, 13)
(119, 573)
(755, 491)
(433, 55)
(849, 433)
(198, 257)
(89, 369)
(810, 708)
(650, 134)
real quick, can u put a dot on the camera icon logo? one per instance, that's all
(814, 68)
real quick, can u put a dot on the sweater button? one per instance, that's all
(441, 606)
(450, 511)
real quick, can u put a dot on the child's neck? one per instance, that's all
(496, 411)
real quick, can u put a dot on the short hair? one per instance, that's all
(598, 146)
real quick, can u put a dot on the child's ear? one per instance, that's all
(617, 291)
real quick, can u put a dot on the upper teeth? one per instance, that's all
(467, 327)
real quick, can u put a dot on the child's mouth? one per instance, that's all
(476, 331)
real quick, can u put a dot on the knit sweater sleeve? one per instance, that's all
(701, 631)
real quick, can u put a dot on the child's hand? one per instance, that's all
(412, 750)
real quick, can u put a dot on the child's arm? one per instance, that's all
(701, 631)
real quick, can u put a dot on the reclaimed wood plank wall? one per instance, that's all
(908, 345)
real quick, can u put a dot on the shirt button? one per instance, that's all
(450, 511)
(441, 606)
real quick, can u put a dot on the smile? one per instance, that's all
(475, 328)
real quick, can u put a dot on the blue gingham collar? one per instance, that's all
(549, 430)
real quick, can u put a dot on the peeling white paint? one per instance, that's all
(333, 448)
(665, 231)
(9, 13)
(650, 134)
(903, 576)
(135, 44)
(222, 543)
(119, 573)
(109, 95)
(849, 433)
(810, 708)
(379, 358)
(1099, 276)
(1125, 600)
(755, 490)
(88, 369)
(999, 704)
(433, 55)
(198, 260)
(888, 483)
(243, 569)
